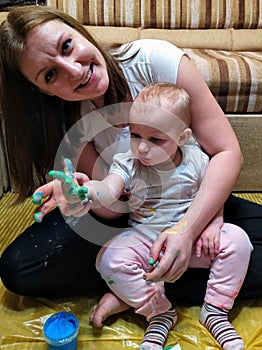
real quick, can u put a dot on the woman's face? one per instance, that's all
(60, 61)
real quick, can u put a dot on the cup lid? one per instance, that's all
(60, 327)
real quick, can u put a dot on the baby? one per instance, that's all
(161, 175)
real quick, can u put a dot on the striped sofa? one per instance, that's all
(222, 37)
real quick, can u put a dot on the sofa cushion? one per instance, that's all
(235, 78)
(175, 14)
(203, 14)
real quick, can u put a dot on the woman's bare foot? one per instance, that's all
(108, 305)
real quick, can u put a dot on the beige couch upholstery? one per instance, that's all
(224, 40)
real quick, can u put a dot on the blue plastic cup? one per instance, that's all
(61, 331)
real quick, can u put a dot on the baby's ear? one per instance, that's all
(184, 136)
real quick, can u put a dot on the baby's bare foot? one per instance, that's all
(108, 305)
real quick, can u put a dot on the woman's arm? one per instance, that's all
(215, 135)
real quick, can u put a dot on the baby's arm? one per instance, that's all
(96, 194)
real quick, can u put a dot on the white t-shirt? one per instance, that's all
(156, 61)
(159, 198)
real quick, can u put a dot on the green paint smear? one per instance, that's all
(38, 217)
(82, 193)
(37, 198)
(151, 261)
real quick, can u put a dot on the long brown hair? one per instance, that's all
(34, 122)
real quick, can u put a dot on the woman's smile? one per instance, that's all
(88, 76)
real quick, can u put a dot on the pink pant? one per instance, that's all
(123, 262)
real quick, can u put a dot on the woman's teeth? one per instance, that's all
(88, 76)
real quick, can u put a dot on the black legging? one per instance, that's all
(51, 260)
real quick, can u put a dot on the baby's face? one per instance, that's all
(150, 144)
(154, 133)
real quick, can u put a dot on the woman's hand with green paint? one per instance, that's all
(76, 197)
(46, 198)
(71, 187)
(66, 191)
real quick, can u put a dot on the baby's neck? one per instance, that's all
(177, 157)
(172, 162)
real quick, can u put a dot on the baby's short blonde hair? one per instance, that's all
(167, 96)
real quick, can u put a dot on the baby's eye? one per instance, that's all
(154, 139)
(49, 76)
(134, 135)
(66, 45)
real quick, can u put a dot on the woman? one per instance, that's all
(53, 73)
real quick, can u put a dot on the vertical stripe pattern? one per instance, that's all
(168, 14)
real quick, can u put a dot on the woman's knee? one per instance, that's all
(10, 273)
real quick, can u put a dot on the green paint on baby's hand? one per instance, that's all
(83, 190)
(82, 193)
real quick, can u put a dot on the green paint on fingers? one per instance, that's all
(82, 193)
(38, 216)
(151, 261)
(37, 198)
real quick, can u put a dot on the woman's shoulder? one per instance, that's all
(149, 42)
(142, 46)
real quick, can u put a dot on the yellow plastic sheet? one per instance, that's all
(22, 318)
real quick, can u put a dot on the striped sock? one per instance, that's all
(158, 329)
(216, 322)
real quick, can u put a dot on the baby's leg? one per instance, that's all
(158, 329)
(225, 280)
(108, 305)
(123, 264)
(215, 320)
